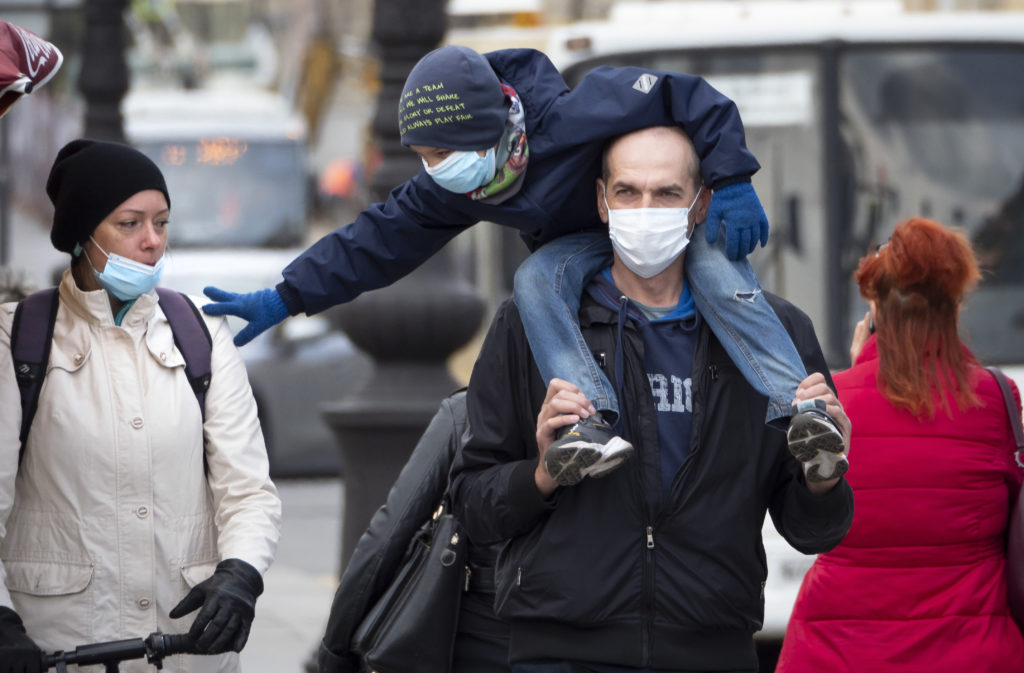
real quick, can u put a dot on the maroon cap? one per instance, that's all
(27, 61)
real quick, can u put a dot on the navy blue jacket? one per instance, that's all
(613, 570)
(566, 132)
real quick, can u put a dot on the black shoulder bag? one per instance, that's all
(411, 628)
(1015, 535)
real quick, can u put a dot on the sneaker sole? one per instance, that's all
(813, 440)
(834, 465)
(566, 463)
(615, 453)
(569, 463)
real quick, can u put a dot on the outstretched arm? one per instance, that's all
(384, 243)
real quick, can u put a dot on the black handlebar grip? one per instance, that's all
(98, 653)
(166, 644)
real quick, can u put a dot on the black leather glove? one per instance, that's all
(18, 654)
(228, 601)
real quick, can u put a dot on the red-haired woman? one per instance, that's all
(918, 582)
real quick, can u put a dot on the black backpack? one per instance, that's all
(32, 335)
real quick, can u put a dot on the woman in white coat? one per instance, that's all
(127, 512)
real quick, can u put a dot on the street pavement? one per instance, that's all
(299, 587)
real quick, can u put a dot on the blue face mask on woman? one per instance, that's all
(125, 278)
(463, 171)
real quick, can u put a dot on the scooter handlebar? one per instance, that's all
(154, 648)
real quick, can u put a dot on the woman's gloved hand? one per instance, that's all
(228, 601)
(18, 654)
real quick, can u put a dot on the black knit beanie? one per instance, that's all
(452, 99)
(88, 180)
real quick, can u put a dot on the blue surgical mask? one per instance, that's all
(463, 171)
(125, 278)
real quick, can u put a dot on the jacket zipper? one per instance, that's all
(648, 627)
(647, 570)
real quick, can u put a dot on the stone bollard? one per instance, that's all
(409, 329)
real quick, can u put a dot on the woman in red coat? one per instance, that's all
(918, 584)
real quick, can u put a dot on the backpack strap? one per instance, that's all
(31, 336)
(1011, 410)
(192, 338)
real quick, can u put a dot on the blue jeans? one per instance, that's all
(548, 286)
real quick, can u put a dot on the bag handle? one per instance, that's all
(1011, 410)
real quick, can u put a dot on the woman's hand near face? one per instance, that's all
(861, 332)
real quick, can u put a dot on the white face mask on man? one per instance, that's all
(647, 240)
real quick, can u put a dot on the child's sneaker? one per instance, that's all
(816, 441)
(588, 448)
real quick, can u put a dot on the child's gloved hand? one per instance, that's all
(738, 209)
(263, 309)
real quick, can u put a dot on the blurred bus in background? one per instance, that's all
(235, 161)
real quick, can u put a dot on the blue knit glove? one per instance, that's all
(263, 310)
(738, 209)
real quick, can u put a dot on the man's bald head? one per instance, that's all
(673, 137)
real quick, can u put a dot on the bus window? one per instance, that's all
(937, 132)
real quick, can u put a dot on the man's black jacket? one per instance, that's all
(607, 570)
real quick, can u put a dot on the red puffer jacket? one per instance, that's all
(918, 583)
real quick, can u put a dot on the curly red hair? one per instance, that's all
(917, 281)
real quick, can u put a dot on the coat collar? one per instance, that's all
(84, 311)
(93, 306)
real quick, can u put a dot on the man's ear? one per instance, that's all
(602, 211)
(703, 203)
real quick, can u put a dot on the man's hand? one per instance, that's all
(262, 309)
(563, 405)
(815, 387)
(228, 601)
(738, 209)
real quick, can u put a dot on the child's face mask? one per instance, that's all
(463, 171)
